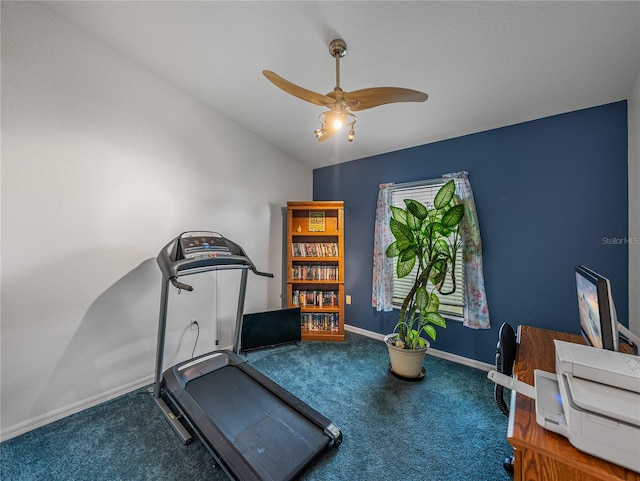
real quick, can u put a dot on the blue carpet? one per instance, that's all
(446, 427)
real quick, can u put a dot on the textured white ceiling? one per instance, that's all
(483, 64)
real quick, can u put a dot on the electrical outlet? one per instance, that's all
(194, 323)
(348, 299)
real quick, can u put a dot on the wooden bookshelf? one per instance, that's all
(315, 267)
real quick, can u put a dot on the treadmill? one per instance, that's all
(254, 428)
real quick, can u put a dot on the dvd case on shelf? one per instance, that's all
(319, 298)
(314, 249)
(320, 321)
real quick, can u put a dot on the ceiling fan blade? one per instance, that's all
(297, 91)
(372, 97)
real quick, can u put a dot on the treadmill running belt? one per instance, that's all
(276, 440)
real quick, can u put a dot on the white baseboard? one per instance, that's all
(483, 366)
(44, 419)
(364, 332)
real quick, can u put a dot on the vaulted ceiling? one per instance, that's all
(483, 64)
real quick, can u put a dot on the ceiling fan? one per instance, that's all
(342, 104)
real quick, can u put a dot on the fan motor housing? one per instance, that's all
(338, 47)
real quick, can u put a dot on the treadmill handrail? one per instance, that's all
(174, 268)
(215, 260)
(209, 267)
(260, 273)
(179, 285)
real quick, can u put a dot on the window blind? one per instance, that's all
(452, 304)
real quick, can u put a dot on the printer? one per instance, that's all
(593, 399)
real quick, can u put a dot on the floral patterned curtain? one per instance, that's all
(382, 290)
(476, 310)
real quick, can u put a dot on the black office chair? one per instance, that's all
(505, 357)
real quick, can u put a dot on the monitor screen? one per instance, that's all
(595, 305)
(270, 329)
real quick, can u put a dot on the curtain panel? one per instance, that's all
(476, 309)
(382, 289)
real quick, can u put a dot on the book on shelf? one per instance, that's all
(316, 221)
(314, 249)
(314, 273)
(320, 321)
(321, 298)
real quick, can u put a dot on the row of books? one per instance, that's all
(320, 322)
(314, 298)
(314, 273)
(314, 249)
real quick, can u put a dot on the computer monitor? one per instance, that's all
(598, 322)
(270, 329)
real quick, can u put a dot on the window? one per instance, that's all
(451, 305)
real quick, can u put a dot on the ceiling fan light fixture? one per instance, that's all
(351, 135)
(320, 133)
(334, 120)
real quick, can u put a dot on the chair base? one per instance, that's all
(507, 464)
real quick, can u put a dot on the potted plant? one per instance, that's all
(429, 239)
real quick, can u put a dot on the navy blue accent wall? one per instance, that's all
(550, 194)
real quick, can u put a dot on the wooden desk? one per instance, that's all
(542, 455)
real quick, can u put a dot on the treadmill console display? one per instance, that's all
(203, 244)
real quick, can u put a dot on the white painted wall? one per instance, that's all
(633, 112)
(103, 164)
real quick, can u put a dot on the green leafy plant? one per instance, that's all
(428, 237)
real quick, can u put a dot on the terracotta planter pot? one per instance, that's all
(406, 362)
